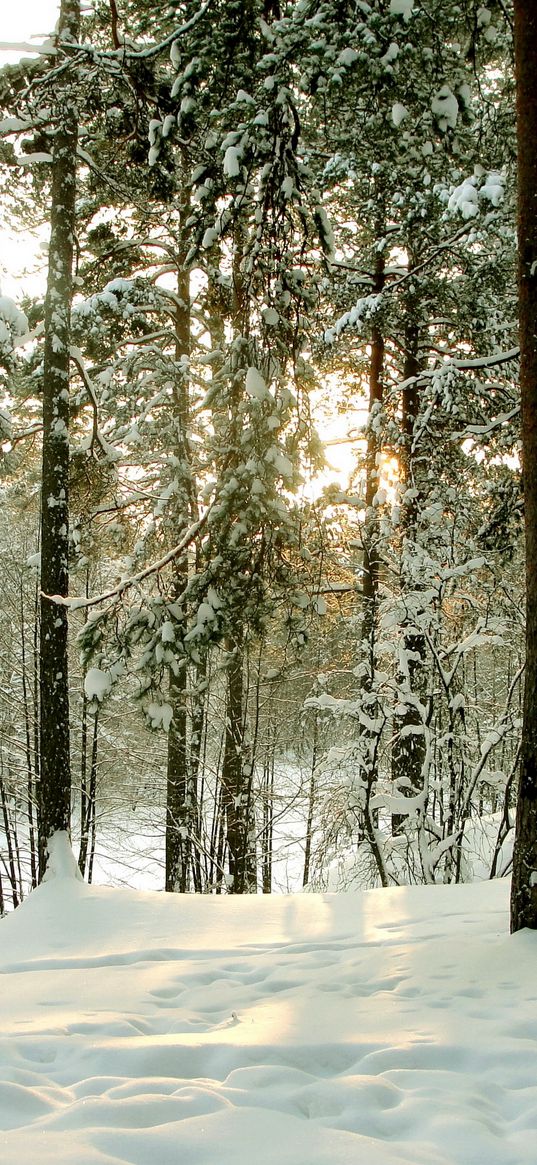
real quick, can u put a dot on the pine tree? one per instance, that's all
(524, 885)
(54, 790)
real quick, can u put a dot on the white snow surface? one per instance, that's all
(392, 1027)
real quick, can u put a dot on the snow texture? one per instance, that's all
(395, 1027)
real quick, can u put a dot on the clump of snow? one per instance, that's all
(445, 107)
(232, 162)
(255, 384)
(210, 237)
(159, 715)
(391, 54)
(493, 188)
(402, 8)
(13, 325)
(399, 112)
(167, 632)
(466, 198)
(270, 317)
(347, 57)
(97, 684)
(393, 1027)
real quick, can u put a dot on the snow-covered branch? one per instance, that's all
(117, 592)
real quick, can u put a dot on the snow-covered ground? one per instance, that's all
(392, 1026)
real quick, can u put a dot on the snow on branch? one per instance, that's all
(127, 52)
(458, 365)
(78, 604)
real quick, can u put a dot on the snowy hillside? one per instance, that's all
(143, 1029)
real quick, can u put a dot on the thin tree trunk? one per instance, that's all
(9, 840)
(196, 743)
(54, 798)
(268, 817)
(311, 802)
(30, 782)
(180, 803)
(371, 573)
(236, 782)
(408, 753)
(92, 795)
(524, 884)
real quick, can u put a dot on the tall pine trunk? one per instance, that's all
(408, 753)
(180, 798)
(524, 885)
(369, 730)
(54, 789)
(237, 781)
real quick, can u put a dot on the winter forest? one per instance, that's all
(262, 562)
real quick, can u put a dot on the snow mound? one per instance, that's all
(61, 859)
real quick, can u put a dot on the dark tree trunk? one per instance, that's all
(92, 797)
(237, 783)
(524, 885)
(30, 778)
(408, 752)
(10, 839)
(370, 736)
(311, 801)
(54, 790)
(180, 795)
(88, 795)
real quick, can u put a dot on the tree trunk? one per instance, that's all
(6, 817)
(30, 777)
(54, 790)
(369, 734)
(408, 752)
(312, 792)
(237, 782)
(180, 798)
(524, 884)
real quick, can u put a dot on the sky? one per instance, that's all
(25, 19)
(21, 20)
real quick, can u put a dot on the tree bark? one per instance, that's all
(524, 884)
(237, 782)
(408, 753)
(369, 737)
(180, 799)
(54, 789)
